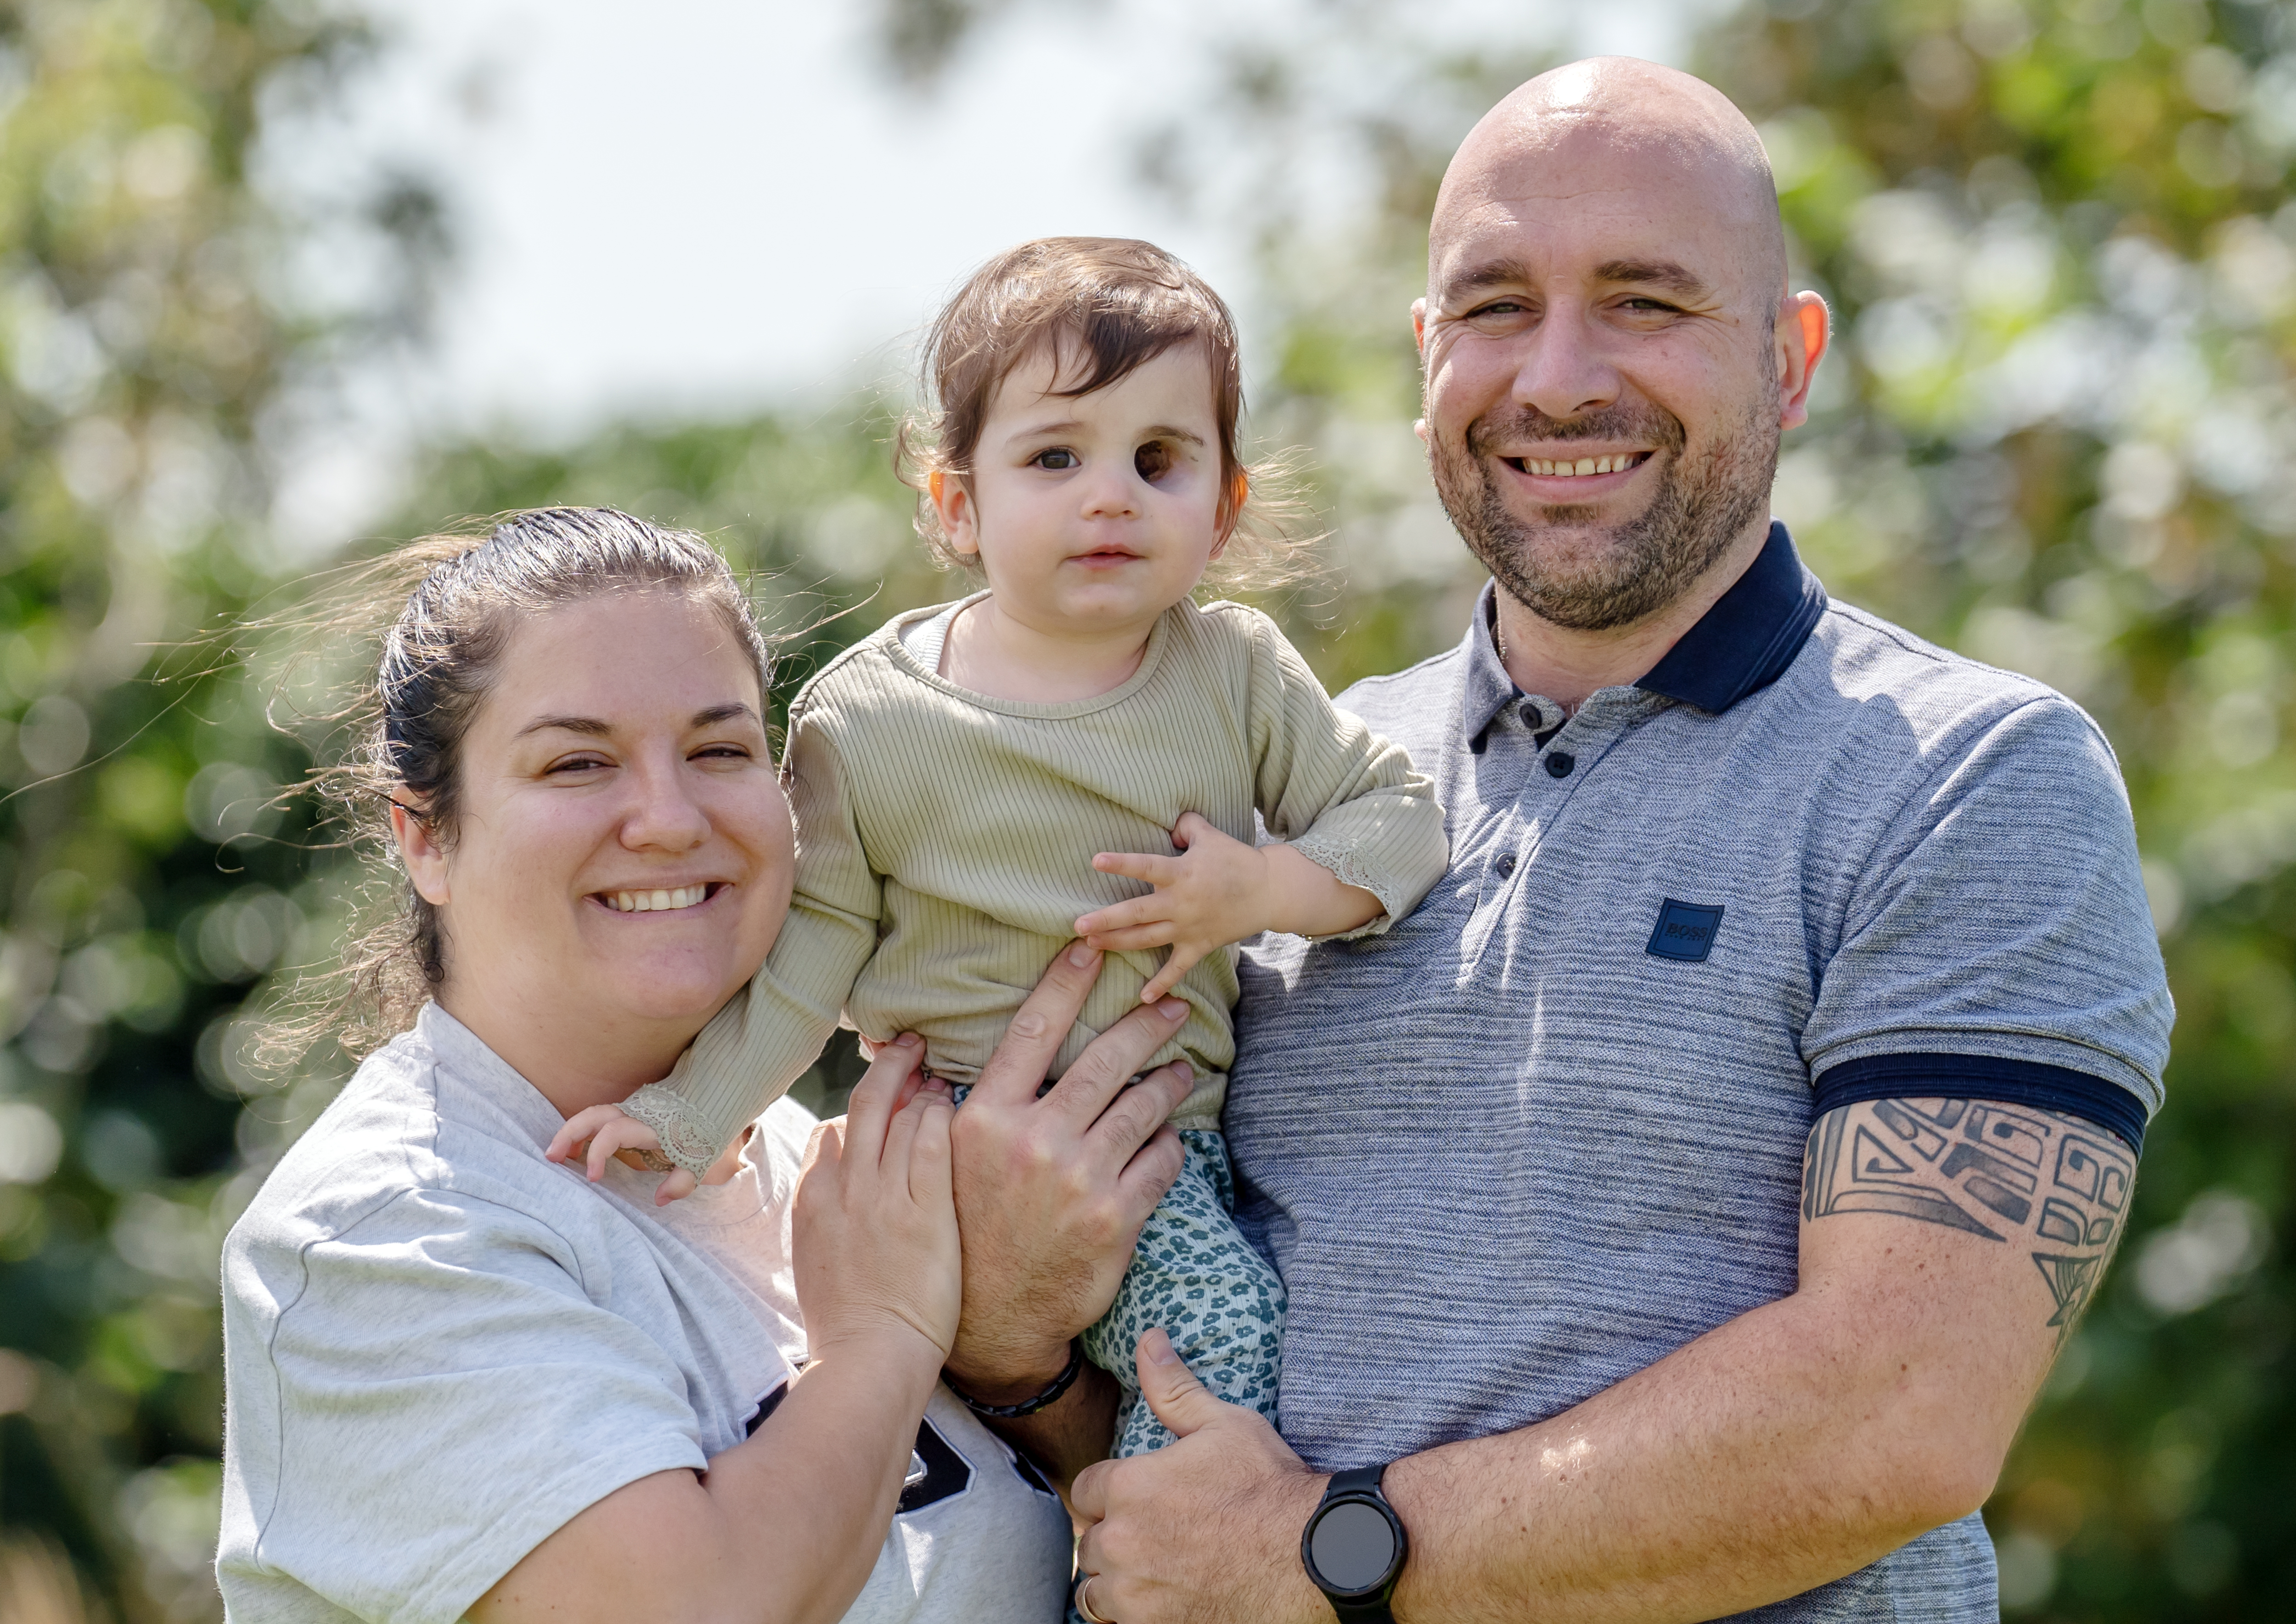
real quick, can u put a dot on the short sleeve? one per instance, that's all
(1341, 794)
(399, 1475)
(1999, 939)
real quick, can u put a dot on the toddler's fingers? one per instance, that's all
(675, 1184)
(1134, 938)
(1178, 963)
(1191, 827)
(1131, 911)
(579, 1126)
(614, 1139)
(604, 1143)
(1139, 865)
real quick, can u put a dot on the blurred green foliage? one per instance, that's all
(2057, 432)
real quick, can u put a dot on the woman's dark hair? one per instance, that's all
(444, 609)
(1102, 306)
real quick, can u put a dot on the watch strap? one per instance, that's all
(1356, 1481)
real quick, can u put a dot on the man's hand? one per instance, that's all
(1206, 1528)
(1051, 1193)
(1214, 893)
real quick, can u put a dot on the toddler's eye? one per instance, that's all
(1152, 461)
(1059, 459)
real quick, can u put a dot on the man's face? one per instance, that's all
(1602, 372)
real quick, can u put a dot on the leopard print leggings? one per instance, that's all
(1194, 1275)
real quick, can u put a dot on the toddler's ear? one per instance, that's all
(953, 506)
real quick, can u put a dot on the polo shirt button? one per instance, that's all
(1559, 763)
(1505, 864)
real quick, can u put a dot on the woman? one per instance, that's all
(462, 1380)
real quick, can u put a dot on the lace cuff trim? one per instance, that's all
(685, 1143)
(1342, 862)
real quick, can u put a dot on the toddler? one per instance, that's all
(974, 785)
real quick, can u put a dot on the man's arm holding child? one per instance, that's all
(1788, 1447)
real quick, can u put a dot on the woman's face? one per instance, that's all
(623, 855)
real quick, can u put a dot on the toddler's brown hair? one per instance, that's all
(1110, 305)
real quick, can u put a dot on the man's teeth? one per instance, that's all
(655, 902)
(1585, 465)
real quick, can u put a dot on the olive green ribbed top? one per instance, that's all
(946, 839)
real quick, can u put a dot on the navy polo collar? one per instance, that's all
(1742, 645)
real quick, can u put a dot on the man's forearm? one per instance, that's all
(1760, 1461)
(1785, 1448)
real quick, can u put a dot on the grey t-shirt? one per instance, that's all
(1550, 1128)
(439, 1347)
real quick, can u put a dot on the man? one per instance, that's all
(1685, 1205)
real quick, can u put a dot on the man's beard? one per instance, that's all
(1637, 568)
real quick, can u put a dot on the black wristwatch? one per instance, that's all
(1354, 1547)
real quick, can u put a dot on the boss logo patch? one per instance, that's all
(1685, 931)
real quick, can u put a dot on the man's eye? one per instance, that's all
(1650, 306)
(1152, 461)
(1059, 459)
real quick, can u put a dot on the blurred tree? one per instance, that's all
(155, 355)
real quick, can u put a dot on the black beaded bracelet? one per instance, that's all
(1027, 1407)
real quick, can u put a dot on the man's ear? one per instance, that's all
(1419, 337)
(1805, 328)
(953, 504)
(419, 849)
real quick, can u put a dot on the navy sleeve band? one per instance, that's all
(1983, 1077)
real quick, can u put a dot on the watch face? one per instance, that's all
(1353, 1546)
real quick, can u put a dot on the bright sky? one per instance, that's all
(697, 207)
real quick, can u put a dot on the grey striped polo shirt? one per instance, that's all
(1550, 1128)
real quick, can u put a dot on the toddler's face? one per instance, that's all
(1094, 514)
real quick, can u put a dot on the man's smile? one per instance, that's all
(1574, 476)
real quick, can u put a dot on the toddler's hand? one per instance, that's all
(608, 1132)
(1214, 893)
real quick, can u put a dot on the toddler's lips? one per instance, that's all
(666, 900)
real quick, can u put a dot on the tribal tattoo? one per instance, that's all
(2007, 1173)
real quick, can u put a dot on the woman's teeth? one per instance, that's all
(655, 902)
(1585, 465)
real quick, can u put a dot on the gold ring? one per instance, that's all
(1083, 1605)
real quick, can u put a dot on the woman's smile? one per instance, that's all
(672, 900)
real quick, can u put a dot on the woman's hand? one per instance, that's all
(875, 1225)
(784, 1527)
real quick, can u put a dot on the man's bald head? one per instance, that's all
(1672, 138)
(1606, 371)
